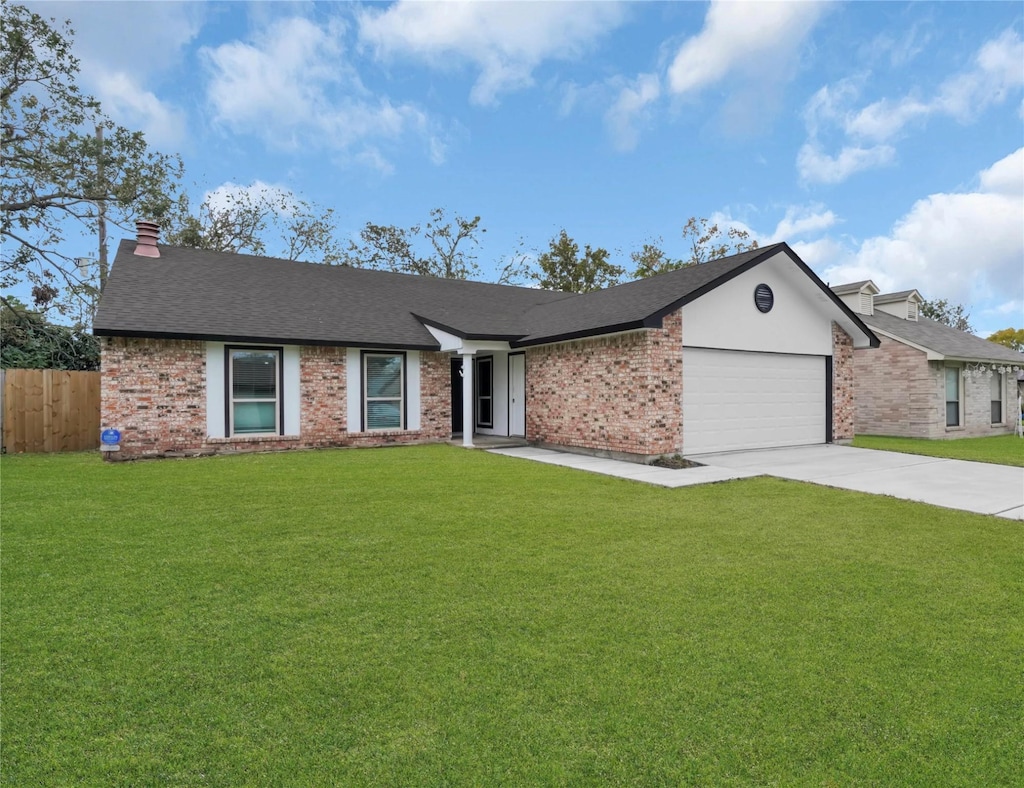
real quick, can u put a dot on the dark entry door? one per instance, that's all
(456, 394)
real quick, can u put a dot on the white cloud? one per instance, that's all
(967, 247)
(994, 74)
(754, 38)
(120, 47)
(801, 220)
(505, 41)
(293, 86)
(997, 71)
(816, 166)
(136, 38)
(131, 105)
(631, 110)
(230, 193)
(885, 119)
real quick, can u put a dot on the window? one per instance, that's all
(254, 385)
(997, 397)
(484, 392)
(952, 396)
(383, 391)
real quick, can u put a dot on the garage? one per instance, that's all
(735, 400)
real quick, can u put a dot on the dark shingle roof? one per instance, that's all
(634, 304)
(214, 295)
(943, 339)
(218, 296)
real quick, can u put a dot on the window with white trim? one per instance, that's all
(953, 396)
(383, 391)
(997, 397)
(253, 390)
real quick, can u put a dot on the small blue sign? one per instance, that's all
(110, 437)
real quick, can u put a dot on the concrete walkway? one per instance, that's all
(955, 484)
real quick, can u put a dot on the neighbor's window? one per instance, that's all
(383, 391)
(997, 397)
(254, 376)
(484, 392)
(952, 396)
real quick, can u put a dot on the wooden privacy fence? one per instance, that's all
(50, 410)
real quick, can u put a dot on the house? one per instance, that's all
(926, 379)
(205, 352)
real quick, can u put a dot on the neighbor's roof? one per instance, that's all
(853, 287)
(947, 341)
(190, 293)
(902, 295)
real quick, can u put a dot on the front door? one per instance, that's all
(456, 394)
(517, 395)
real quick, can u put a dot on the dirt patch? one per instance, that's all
(675, 461)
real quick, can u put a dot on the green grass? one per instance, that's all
(435, 616)
(999, 449)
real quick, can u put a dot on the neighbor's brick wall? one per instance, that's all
(843, 391)
(977, 407)
(619, 394)
(154, 391)
(899, 392)
(896, 393)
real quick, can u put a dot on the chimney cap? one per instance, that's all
(146, 235)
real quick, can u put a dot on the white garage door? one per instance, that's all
(734, 400)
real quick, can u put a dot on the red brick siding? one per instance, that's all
(435, 396)
(618, 394)
(322, 387)
(843, 391)
(154, 391)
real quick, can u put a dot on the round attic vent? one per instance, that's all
(764, 298)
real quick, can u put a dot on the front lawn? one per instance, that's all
(436, 616)
(999, 449)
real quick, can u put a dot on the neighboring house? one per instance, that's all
(927, 380)
(206, 352)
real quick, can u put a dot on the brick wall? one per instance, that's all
(154, 391)
(899, 392)
(977, 407)
(842, 385)
(896, 391)
(618, 394)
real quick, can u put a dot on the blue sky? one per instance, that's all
(880, 140)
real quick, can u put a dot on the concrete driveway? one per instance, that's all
(955, 484)
(971, 486)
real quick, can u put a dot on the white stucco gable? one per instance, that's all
(799, 321)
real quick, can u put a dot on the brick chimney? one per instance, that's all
(147, 234)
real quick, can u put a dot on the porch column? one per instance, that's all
(467, 399)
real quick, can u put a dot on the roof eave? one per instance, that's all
(263, 340)
(586, 333)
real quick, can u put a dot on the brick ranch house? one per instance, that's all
(926, 379)
(204, 352)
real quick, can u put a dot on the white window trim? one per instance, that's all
(216, 391)
(230, 401)
(403, 399)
